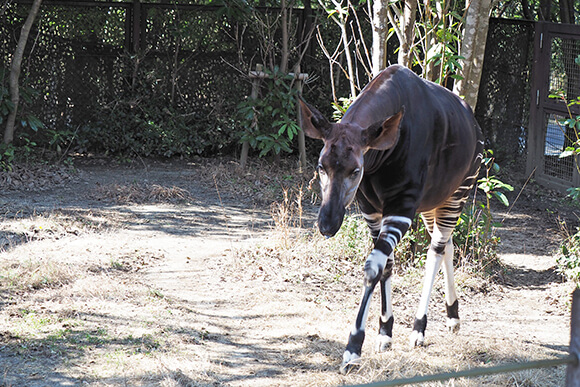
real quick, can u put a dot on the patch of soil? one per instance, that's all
(151, 289)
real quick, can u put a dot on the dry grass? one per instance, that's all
(78, 307)
(260, 183)
(81, 302)
(141, 193)
(330, 268)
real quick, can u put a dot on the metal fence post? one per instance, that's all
(573, 370)
(136, 43)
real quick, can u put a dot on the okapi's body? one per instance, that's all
(404, 146)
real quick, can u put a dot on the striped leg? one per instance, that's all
(451, 302)
(440, 224)
(379, 261)
(385, 338)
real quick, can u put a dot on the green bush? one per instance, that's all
(568, 258)
(269, 121)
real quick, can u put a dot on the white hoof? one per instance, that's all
(383, 343)
(349, 360)
(453, 325)
(417, 339)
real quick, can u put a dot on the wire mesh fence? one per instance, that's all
(148, 78)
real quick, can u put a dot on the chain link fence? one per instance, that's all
(504, 93)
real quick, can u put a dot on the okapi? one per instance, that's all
(404, 146)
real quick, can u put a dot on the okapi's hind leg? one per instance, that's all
(451, 302)
(440, 252)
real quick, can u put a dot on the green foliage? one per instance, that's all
(269, 122)
(24, 145)
(6, 105)
(6, 156)
(490, 184)
(570, 127)
(149, 129)
(568, 258)
(439, 30)
(444, 53)
(338, 109)
(474, 235)
(353, 239)
(27, 95)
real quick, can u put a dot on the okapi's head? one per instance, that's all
(341, 161)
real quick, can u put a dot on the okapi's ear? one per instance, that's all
(383, 136)
(313, 122)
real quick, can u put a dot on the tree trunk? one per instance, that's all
(380, 32)
(433, 13)
(408, 32)
(15, 68)
(567, 11)
(526, 10)
(544, 13)
(348, 56)
(473, 50)
(284, 27)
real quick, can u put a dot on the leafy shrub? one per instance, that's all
(22, 145)
(149, 129)
(568, 258)
(353, 240)
(474, 236)
(269, 120)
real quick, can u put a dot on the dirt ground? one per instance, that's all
(132, 275)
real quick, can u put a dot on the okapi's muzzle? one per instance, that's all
(330, 219)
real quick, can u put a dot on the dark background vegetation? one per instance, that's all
(172, 87)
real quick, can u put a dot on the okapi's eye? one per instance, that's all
(321, 170)
(355, 173)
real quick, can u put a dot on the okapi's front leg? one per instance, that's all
(391, 231)
(386, 321)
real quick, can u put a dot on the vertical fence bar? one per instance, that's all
(136, 26)
(128, 28)
(573, 370)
